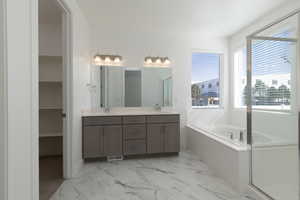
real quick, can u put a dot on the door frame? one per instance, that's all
(249, 40)
(67, 35)
(3, 103)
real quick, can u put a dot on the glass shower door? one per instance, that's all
(273, 112)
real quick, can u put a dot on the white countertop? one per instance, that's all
(127, 111)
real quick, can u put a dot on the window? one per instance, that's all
(271, 74)
(205, 72)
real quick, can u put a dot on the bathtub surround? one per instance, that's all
(228, 160)
(184, 177)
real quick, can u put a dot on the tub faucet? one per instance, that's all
(241, 136)
(107, 109)
(231, 136)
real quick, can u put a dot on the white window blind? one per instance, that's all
(271, 73)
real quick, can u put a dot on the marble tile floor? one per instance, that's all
(182, 177)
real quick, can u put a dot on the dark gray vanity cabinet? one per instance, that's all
(102, 136)
(112, 140)
(171, 138)
(134, 133)
(155, 138)
(130, 135)
(93, 142)
(163, 138)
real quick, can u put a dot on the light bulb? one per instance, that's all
(97, 60)
(148, 61)
(117, 60)
(107, 59)
(167, 61)
(158, 61)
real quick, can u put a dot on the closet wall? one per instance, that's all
(50, 89)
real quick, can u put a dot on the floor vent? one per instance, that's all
(114, 158)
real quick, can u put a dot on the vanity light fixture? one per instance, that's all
(107, 60)
(157, 61)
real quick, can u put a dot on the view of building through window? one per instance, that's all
(205, 79)
(271, 74)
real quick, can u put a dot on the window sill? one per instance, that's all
(207, 107)
(267, 110)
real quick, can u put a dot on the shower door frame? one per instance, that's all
(250, 39)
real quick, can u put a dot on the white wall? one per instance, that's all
(134, 45)
(272, 123)
(22, 77)
(22, 81)
(80, 78)
(50, 43)
(3, 107)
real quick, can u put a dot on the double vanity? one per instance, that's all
(136, 123)
(124, 134)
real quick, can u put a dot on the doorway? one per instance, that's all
(53, 97)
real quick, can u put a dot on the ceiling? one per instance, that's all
(213, 17)
(49, 12)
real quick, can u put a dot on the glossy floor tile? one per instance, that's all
(182, 177)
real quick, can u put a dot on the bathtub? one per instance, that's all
(222, 150)
(236, 137)
(231, 136)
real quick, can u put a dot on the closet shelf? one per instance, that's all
(50, 108)
(50, 135)
(51, 81)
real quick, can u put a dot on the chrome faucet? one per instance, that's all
(157, 107)
(231, 136)
(107, 109)
(241, 136)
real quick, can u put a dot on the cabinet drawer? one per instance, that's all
(134, 120)
(134, 147)
(90, 121)
(134, 131)
(162, 118)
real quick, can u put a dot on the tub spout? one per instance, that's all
(231, 136)
(241, 136)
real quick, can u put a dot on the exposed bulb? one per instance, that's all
(117, 60)
(107, 59)
(158, 61)
(97, 60)
(148, 61)
(167, 61)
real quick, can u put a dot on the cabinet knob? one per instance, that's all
(63, 115)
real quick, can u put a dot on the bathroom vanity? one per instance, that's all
(121, 135)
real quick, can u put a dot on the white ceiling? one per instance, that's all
(213, 17)
(49, 12)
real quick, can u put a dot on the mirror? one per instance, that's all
(135, 87)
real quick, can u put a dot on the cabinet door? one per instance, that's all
(134, 147)
(172, 138)
(113, 140)
(155, 138)
(92, 142)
